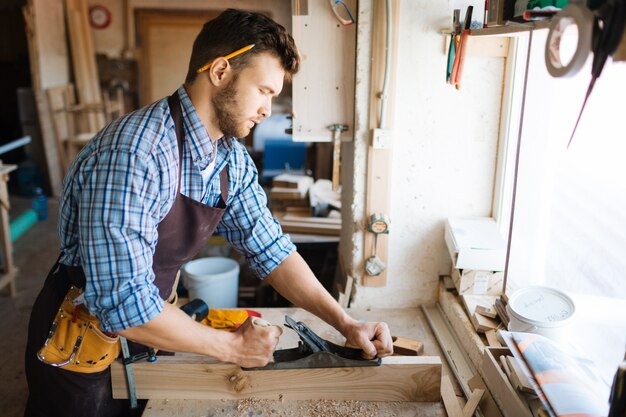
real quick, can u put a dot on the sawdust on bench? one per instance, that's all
(256, 407)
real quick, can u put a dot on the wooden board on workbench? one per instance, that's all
(186, 376)
(399, 378)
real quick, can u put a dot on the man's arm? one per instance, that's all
(294, 280)
(173, 330)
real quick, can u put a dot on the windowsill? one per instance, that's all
(599, 321)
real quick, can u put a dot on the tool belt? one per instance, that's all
(76, 341)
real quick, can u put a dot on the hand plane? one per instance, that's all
(315, 352)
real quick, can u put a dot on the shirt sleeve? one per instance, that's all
(248, 224)
(118, 215)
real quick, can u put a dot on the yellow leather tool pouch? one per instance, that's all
(75, 341)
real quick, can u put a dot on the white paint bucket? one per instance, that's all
(214, 280)
(541, 310)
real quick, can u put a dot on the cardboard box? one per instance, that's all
(507, 398)
(470, 281)
(475, 244)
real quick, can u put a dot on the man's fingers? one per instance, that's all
(384, 344)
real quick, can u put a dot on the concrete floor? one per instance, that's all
(34, 254)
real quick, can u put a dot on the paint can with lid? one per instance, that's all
(541, 310)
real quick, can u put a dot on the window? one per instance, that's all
(569, 229)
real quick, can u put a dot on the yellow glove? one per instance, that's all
(227, 319)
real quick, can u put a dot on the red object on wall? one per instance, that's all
(99, 17)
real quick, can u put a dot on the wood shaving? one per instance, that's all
(253, 407)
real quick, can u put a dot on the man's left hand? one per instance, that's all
(373, 338)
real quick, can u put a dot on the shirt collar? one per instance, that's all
(198, 139)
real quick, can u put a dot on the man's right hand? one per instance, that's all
(172, 330)
(254, 344)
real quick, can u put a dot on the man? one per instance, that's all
(148, 191)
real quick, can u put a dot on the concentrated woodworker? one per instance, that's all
(142, 198)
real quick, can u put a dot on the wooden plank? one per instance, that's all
(407, 347)
(318, 229)
(51, 49)
(492, 339)
(483, 324)
(55, 170)
(312, 220)
(487, 404)
(33, 51)
(5, 235)
(487, 311)
(57, 99)
(378, 191)
(518, 379)
(298, 182)
(450, 401)
(472, 402)
(84, 61)
(399, 378)
(9, 279)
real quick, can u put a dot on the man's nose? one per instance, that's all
(266, 109)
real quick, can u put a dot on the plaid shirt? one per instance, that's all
(124, 182)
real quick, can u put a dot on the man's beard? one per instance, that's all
(226, 108)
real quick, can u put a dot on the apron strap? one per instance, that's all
(174, 102)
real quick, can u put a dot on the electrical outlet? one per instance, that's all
(382, 138)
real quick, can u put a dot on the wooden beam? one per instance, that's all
(55, 169)
(8, 278)
(378, 182)
(186, 376)
(84, 61)
(450, 401)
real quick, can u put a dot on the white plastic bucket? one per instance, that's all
(541, 310)
(214, 280)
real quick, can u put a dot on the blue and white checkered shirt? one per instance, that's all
(123, 183)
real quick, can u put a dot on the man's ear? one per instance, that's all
(220, 71)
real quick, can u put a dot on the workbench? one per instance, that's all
(408, 323)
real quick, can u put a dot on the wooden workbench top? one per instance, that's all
(408, 323)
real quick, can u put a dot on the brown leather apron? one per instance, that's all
(181, 234)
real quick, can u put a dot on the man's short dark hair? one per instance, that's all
(233, 29)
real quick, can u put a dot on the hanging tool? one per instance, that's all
(336, 129)
(379, 225)
(454, 40)
(459, 59)
(315, 352)
(609, 21)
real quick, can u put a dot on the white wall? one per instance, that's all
(111, 41)
(443, 156)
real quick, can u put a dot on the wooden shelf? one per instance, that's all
(509, 30)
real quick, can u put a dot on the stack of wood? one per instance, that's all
(291, 200)
(487, 314)
(500, 306)
(518, 379)
(289, 190)
(299, 222)
(481, 312)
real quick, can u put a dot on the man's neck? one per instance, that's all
(201, 101)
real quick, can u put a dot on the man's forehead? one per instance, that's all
(266, 69)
